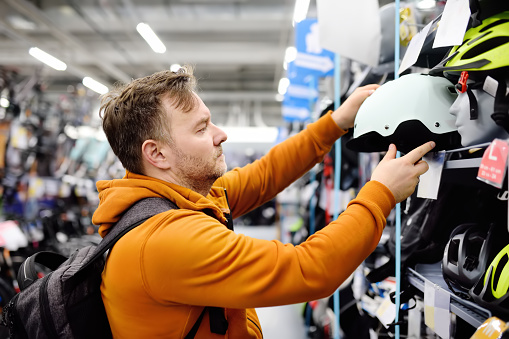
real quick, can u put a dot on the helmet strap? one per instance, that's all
(501, 107)
(474, 111)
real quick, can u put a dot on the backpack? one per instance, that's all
(67, 302)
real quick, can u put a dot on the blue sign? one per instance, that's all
(301, 94)
(311, 57)
(302, 85)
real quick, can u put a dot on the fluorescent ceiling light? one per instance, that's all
(94, 85)
(283, 85)
(48, 59)
(151, 38)
(175, 67)
(301, 10)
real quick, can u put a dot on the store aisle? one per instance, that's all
(281, 322)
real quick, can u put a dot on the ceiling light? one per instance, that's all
(283, 86)
(48, 59)
(175, 67)
(301, 10)
(95, 85)
(150, 37)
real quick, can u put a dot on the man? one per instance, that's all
(159, 276)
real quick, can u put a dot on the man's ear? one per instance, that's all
(154, 153)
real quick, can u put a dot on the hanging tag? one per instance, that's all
(453, 23)
(414, 49)
(436, 309)
(429, 304)
(494, 163)
(492, 328)
(386, 312)
(429, 182)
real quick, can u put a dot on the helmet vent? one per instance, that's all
(493, 24)
(386, 126)
(437, 124)
(498, 272)
(454, 246)
(464, 42)
(485, 46)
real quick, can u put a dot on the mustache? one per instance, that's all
(219, 151)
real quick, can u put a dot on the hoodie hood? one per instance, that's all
(118, 195)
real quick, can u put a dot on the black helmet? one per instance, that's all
(470, 250)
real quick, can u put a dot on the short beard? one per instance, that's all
(195, 174)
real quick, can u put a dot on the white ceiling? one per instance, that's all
(236, 46)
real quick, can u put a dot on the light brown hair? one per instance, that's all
(132, 113)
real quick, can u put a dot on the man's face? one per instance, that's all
(196, 152)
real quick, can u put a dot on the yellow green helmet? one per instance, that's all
(492, 290)
(484, 48)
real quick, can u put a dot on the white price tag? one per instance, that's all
(430, 181)
(453, 23)
(436, 309)
(386, 312)
(414, 49)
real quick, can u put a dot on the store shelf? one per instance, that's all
(463, 163)
(472, 161)
(468, 311)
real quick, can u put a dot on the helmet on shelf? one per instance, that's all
(492, 290)
(483, 53)
(484, 48)
(408, 112)
(470, 249)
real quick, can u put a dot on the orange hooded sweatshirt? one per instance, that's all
(159, 276)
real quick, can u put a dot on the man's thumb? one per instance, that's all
(391, 153)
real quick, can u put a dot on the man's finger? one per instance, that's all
(370, 86)
(417, 153)
(421, 167)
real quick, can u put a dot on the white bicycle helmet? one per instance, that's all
(408, 112)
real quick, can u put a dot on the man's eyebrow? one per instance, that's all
(202, 121)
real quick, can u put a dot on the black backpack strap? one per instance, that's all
(132, 218)
(218, 323)
(196, 325)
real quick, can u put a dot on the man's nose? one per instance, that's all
(220, 136)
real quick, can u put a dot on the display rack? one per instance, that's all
(462, 171)
(468, 311)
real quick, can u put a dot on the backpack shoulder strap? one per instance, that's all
(133, 217)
